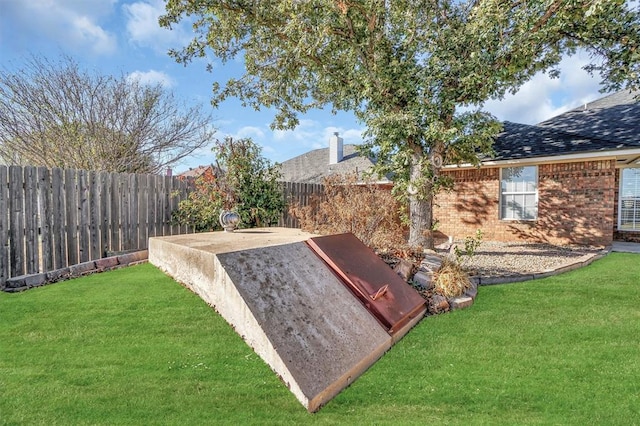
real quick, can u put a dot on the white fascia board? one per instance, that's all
(604, 155)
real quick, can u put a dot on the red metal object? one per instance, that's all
(387, 296)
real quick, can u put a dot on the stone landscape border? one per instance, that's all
(438, 304)
(26, 282)
(580, 262)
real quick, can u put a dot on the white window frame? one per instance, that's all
(634, 200)
(503, 193)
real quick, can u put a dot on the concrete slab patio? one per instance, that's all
(285, 303)
(625, 247)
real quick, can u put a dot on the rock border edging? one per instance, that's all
(26, 282)
(583, 261)
(439, 304)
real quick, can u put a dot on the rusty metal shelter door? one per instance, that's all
(385, 294)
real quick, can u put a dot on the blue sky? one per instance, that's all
(123, 37)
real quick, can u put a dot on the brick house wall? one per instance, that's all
(576, 205)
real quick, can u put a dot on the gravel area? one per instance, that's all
(505, 259)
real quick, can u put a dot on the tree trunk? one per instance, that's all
(420, 208)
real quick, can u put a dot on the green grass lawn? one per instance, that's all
(133, 347)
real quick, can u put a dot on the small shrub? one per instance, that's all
(202, 207)
(350, 205)
(451, 280)
(471, 245)
(246, 183)
(250, 182)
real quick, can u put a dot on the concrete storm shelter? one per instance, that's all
(318, 310)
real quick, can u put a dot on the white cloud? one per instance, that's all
(152, 77)
(72, 24)
(543, 97)
(269, 150)
(311, 133)
(144, 30)
(252, 132)
(86, 33)
(349, 136)
(307, 132)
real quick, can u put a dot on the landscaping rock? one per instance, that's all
(36, 280)
(26, 281)
(15, 282)
(437, 304)
(82, 269)
(472, 292)
(106, 263)
(424, 280)
(431, 263)
(58, 275)
(15, 290)
(136, 257)
(460, 302)
(404, 268)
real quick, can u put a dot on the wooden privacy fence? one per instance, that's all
(54, 218)
(297, 193)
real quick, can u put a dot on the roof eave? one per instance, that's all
(566, 158)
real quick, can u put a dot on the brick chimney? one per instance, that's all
(335, 149)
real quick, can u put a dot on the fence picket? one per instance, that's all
(4, 224)
(71, 209)
(166, 205)
(46, 217)
(151, 206)
(58, 219)
(125, 200)
(16, 220)
(32, 251)
(115, 213)
(104, 210)
(94, 215)
(83, 216)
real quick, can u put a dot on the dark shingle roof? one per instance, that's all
(612, 118)
(607, 124)
(313, 166)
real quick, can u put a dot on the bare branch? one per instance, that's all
(56, 115)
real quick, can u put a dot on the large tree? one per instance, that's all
(54, 114)
(415, 72)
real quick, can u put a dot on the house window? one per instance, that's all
(630, 200)
(519, 193)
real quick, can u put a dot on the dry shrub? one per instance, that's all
(368, 211)
(451, 280)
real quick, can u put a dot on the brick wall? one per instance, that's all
(576, 205)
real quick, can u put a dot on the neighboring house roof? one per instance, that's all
(313, 166)
(609, 124)
(199, 171)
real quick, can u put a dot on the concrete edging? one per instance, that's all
(26, 282)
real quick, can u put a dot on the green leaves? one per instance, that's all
(243, 181)
(405, 68)
(251, 184)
